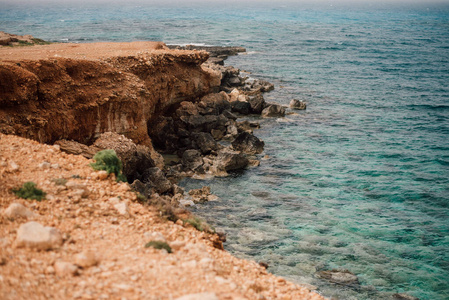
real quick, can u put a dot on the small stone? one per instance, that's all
(102, 175)
(54, 166)
(16, 210)
(80, 193)
(63, 269)
(50, 270)
(200, 296)
(177, 245)
(13, 166)
(122, 208)
(179, 222)
(34, 235)
(86, 259)
(44, 165)
(155, 236)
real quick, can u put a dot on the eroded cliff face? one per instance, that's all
(66, 97)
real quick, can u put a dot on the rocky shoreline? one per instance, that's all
(133, 98)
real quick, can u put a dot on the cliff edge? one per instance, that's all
(78, 91)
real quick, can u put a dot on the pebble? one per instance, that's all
(155, 236)
(13, 166)
(86, 259)
(122, 208)
(200, 296)
(34, 235)
(102, 175)
(44, 165)
(16, 210)
(63, 269)
(177, 245)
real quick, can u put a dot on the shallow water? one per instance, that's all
(360, 180)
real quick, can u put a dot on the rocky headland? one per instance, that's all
(142, 100)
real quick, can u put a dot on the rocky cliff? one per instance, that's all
(78, 91)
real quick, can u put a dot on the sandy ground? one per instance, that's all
(87, 51)
(107, 222)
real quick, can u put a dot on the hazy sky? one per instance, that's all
(218, 2)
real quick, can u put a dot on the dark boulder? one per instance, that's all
(135, 158)
(205, 142)
(192, 160)
(257, 103)
(241, 107)
(228, 160)
(248, 143)
(214, 104)
(157, 180)
(273, 110)
(142, 188)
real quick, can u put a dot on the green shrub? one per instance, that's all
(107, 160)
(29, 191)
(159, 245)
(199, 224)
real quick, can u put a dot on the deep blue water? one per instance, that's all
(360, 180)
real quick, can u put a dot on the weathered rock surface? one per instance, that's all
(34, 235)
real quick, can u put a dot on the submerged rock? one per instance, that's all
(403, 296)
(297, 104)
(341, 277)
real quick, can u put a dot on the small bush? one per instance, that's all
(29, 191)
(159, 245)
(199, 224)
(107, 160)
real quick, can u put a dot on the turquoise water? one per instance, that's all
(360, 180)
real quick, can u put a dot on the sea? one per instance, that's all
(359, 181)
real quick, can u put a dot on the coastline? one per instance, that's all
(260, 282)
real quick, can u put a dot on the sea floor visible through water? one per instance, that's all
(358, 181)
